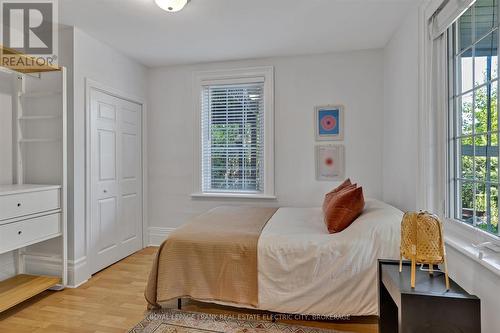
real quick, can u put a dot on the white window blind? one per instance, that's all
(233, 138)
(447, 12)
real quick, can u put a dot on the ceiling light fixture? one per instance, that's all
(171, 5)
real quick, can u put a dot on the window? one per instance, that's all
(474, 130)
(236, 156)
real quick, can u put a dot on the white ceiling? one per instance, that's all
(218, 30)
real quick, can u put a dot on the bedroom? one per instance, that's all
(380, 67)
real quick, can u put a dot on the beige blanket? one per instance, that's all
(211, 258)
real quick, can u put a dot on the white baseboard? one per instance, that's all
(39, 263)
(78, 272)
(158, 234)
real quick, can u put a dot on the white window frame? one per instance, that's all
(228, 76)
(453, 191)
(433, 176)
(469, 240)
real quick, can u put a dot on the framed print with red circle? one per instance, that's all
(329, 122)
(330, 162)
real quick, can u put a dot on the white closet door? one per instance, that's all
(116, 179)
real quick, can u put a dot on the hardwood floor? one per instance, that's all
(112, 301)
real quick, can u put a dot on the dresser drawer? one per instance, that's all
(20, 204)
(26, 232)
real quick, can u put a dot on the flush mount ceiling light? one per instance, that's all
(171, 5)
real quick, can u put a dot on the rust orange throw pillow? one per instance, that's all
(344, 208)
(329, 196)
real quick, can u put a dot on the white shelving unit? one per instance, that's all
(33, 209)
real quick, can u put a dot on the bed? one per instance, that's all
(299, 267)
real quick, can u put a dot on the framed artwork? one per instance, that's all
(329, 122)
(330, 162)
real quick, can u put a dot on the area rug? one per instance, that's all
(175, 321)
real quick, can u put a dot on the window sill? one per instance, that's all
(234, 196)
(462, 237)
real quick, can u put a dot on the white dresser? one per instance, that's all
(28, 214)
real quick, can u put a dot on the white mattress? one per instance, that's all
(303, 269)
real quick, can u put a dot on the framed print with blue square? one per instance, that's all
(329, 122)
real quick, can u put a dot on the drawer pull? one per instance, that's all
(18, 204)
(105, 191)
(19, 232)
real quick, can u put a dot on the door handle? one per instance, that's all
(105, 191)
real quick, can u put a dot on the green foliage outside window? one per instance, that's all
(235, 139)
(233, 169)
(485, 145)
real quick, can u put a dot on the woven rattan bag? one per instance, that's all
(422, 242)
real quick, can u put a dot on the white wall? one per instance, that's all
(399, 180)
(479, 281)
(354, 79)
(401, 97)
(7, 265)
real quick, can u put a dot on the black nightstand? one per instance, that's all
(428, 308)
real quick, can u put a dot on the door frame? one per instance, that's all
(95, 85)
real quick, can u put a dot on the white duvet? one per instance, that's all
(303, 269)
